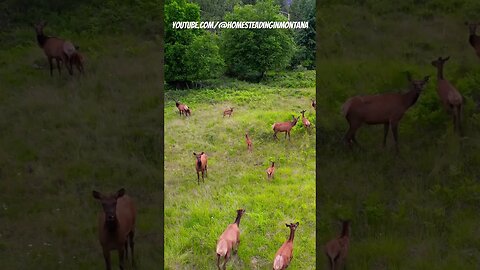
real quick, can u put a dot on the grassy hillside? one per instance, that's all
(62, 137)
(418, 210)
(196, 215)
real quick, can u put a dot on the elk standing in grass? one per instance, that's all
(337, 249)
(314, 104)
(451, 99)
(284, 127)
(116, 224)
(78, 60)
(271, 170)
(201, 165)
(249, 142)
(387, 109)
(473, 38)
(229, 240)
(182, 108)
(228, 112)
(284, 255)
(305, 121)
(55, 48)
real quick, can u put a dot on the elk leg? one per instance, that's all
(395, 135)
(218, 261)
(126, 249)
(131, 235)
(386, 127)
(121, 253)
(275, 135)
(206, 171)
(227, 257)
(198, 177)
(58, 66)
(51, 66)
(106, 256)
(203, 176)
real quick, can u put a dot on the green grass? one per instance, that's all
(196, 215)
(99, 131)
(417, 210)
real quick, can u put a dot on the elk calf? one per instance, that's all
(337, 249)
(228, 112)
(201, 165)
(284, 255)
(55, 48)
(284, 127)
(249, 142)
(473, 39)
(229, 240)
(387, 109)
(451, 99)
(116, 225)
(271, 170)
(305, 121)
(182, 108)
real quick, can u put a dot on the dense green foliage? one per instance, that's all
(417, 210)
(196, 215)
(304, 10)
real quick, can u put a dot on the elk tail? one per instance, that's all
(222, 248)
(278, 263)
(346, 106)
(273, 126)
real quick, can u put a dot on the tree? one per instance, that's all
(304, 10)
(249, 53)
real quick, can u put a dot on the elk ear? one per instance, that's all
(202, 153)
(194, 154)
(287, 225)
(297, 223)
(446, 59)
(96, 195)
(120, 193)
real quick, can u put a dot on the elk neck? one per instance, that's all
(345, 230)
(237, 219)
(41, 39)
(411, 97)
(111, 226)
(292, 235)
(440, 72)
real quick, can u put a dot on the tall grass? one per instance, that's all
(196, 215)
(416, 210)
(61, 137)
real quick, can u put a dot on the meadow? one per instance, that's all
(62, 137)
(196, 215)
(417, 210)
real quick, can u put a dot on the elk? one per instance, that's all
(305, 121)
(284, 255)
(387, 109)
(201, 165)
(337, 249)
(284, 127)
(473, 39)
(55, 48)
(249, 142)
(116, 225)
(182, 108)
(228, 112)
(314, 104)
(450, 97)
(230, 239)
(271, 170)
(78, 60)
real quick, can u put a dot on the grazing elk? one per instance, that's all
(337, 249)
(387, 109)
(201, 165)
(182, 108)
(284, 255)
(116, 225)
(473, 38)
(305, 121)
(451, 99)
(271, 170)
(314, 104)
(78, 60)
(55, 48)
(229, 240)
(284, 127)
(249, 142)
(228, 112)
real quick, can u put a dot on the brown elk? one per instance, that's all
(78, 60)
(314, 104)
(284, 127)
(228, 112)
(451, 99)
(182, 108)
(387, 109)
(473, 39)
(201, 165)
(337, 249)
(229, 240)
(55, 48)
(249, 142)
(305, 121)
(271, 170)
(284, 255)
(116, 225)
